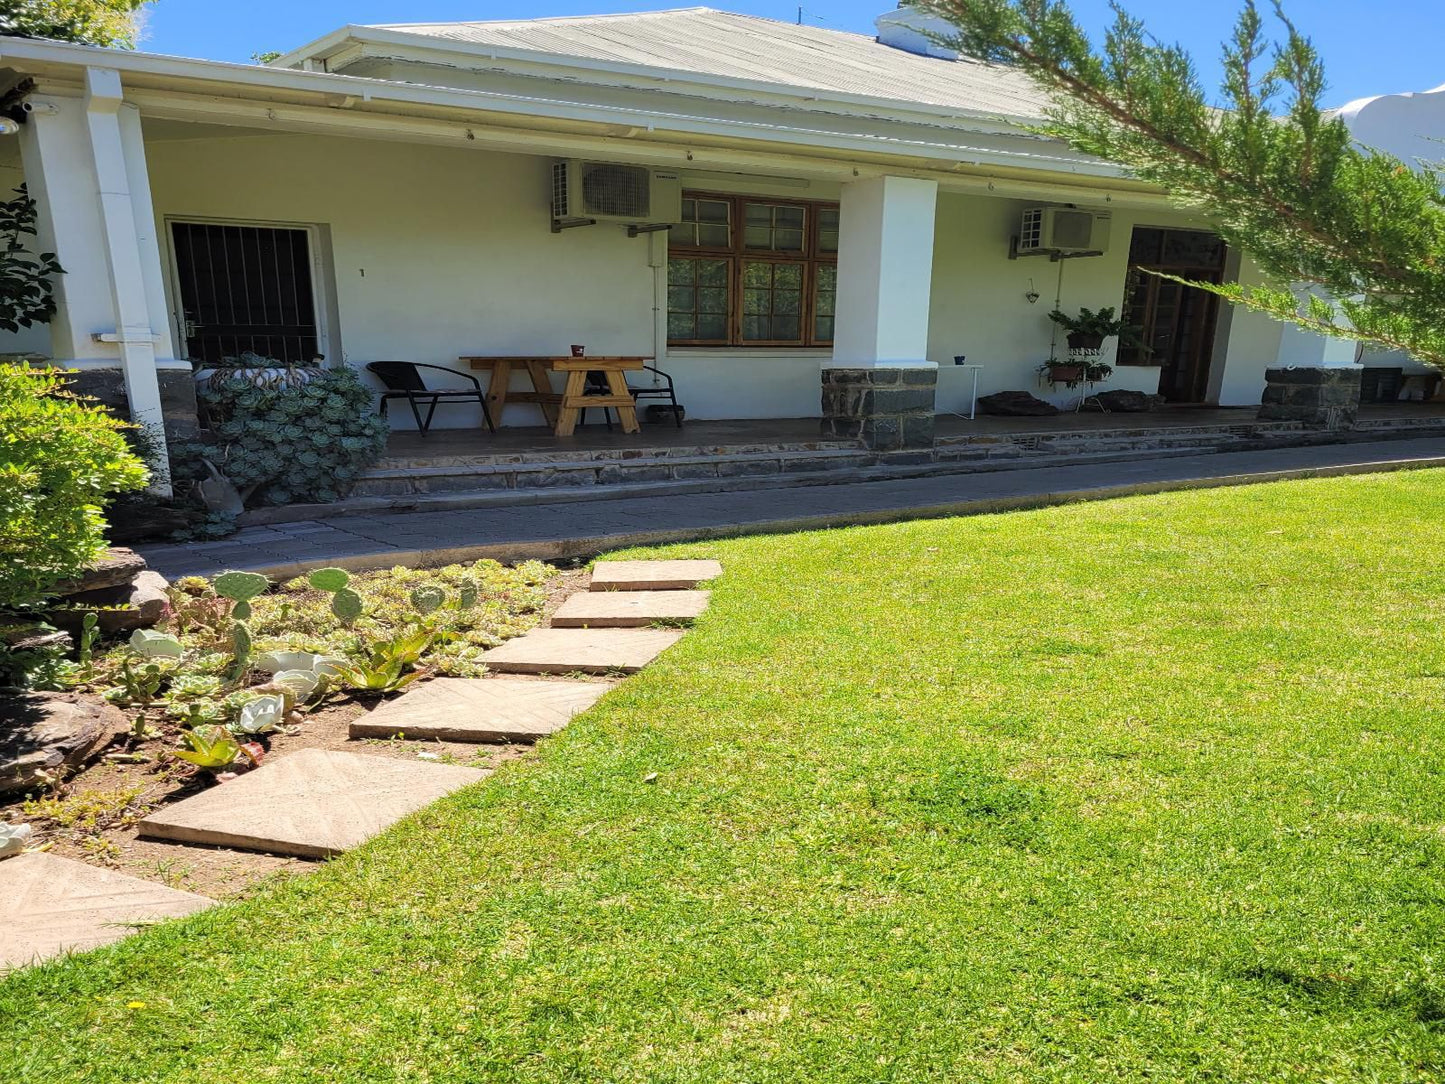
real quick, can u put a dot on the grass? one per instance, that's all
(1147, 790)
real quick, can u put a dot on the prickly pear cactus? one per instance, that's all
(329, 579)
(241, 648)
(241, 588)
(467, 595)
(346, 605)
(428, 599)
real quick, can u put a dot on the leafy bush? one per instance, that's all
(283, 445)
(27, 286)
(60, 457)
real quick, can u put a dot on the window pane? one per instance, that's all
(713, 210)
(696, 312)
(757, 301)
(788, 276)
(785, 327)
(758, 275)
(681, 272)
(788, 240)
(788, 302)
(827, 229)
(712, 272)
(823, 329)
(712, 326)
(758, 237)
(713, 236)
(790, 217)
(755, 328)
(825, 297)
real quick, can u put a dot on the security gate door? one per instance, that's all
(245, 288)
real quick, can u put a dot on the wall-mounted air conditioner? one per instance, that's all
(584, 192)
(1063, 231)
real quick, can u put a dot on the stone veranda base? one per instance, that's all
(1318, 397)
(178, 396)
(889, 409)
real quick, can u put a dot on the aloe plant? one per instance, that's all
(211, 747)
(241, 588)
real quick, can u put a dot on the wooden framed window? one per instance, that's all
(752, 271)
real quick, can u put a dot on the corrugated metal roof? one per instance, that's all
(722, 44)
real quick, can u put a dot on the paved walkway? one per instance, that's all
(586, 528)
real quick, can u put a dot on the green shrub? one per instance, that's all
(283, 445)
(60, 457)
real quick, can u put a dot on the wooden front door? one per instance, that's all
(1177, 321)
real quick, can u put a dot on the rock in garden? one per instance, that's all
(1120, 401)
(142, 603)
(1016, 404)
(115, 568)
(40, 732)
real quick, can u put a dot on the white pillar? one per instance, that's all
(85, 166)
(885, 273)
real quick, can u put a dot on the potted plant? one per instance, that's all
(1086, 334)
(261, 371)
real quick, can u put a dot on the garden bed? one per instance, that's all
(92, 815)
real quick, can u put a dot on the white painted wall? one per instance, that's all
(34, 340)
(980, 308)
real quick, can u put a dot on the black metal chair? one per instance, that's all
(403, 380)
(597, 385)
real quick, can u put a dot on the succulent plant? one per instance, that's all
(428, 599)
(261, 716)
(241, 588)
(14, 838)
(467, 594)
(241, 649)
(211, 747)
(149, 644)
(346, 605)
(329, 579)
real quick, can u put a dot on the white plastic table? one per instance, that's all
(973, 396)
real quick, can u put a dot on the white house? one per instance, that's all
(755, 204)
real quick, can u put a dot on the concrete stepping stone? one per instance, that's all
(581, 651)
(51, 905)
(314, 803)
(652, 575)
(481, 710)
(629, 609)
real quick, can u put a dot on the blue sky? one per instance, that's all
(1370, 47)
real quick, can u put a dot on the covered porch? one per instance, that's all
(300, 225)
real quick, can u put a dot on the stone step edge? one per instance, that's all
(539, 466)
(606, 456)
(1231, 429)
(895, 466)
(517, 498)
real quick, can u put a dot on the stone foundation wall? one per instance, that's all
(178, 396)
(1323, 398)
(889, 409)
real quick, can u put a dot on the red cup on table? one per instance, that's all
(578, 351)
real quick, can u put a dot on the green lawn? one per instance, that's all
(1145, 790)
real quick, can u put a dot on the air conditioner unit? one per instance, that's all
(1063, 231)
(608, 192)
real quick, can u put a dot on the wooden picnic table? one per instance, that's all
(562, 410)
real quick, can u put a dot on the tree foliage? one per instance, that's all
(27, 288)
(61, 456)
(1280, 176)
(90, 22)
